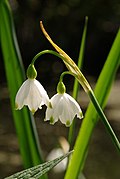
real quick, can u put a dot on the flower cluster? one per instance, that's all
(60, 107)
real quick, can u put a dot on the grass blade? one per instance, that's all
(24, 122)
(91, 117)
(76, 83)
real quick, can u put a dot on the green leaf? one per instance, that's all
(24, 121)
(39, 170)
(76, 83)
(102, 90)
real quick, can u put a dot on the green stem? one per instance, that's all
(45, 52)
(65, 73)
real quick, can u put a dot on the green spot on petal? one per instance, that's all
(50, 105)
(16, 106)
(81, 114)
(51, 120)
(67, 123)
(33, 111)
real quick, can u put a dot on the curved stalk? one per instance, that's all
(90, 94)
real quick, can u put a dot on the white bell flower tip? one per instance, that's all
(68, 123)
(80, 115)
(16, 106)
(33, 111)
(51, 119)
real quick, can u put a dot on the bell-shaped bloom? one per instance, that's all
(31, 94)
(64, 108)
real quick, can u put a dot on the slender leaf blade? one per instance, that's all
(24, 121)
(76, 83)
(102, 90)
(39, 170)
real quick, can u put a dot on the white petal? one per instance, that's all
(67, 114)
(33, 99)
(49, 114)
(57, 106)
(22, 94)
(50, 117)
(54, 111)
(74, 106)
(42, 92)
(55, 99)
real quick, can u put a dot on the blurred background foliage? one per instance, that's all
(64, 21)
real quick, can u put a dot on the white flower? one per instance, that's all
(32, 94)
(54, 154)
(63, 107)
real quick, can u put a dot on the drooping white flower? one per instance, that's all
(31, 94)
(63, 107)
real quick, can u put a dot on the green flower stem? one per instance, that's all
(65, 73)
(45, 52)
(72, 67)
